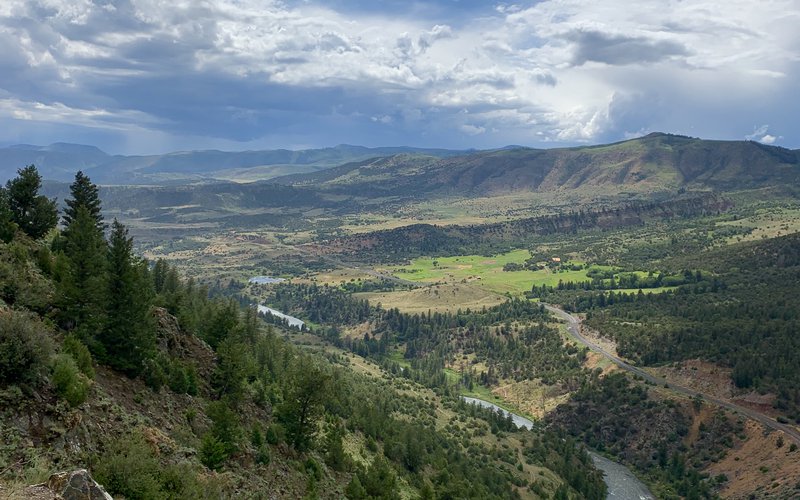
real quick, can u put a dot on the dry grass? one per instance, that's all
(760, 467)
(436, 298)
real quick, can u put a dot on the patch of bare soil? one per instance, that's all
(700, 376)
(763, 466)
(531, 397)
(708, 378)
(595, 360)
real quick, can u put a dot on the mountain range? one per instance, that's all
(60, 161)
(656, 162)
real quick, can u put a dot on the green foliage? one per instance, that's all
(33, 213)
(129, 336)
(7, 225)
(380, 481)
(275, 434)
(25, 348)
(354, 490)
(306, 390)
(82, 284)
(131, 469)
(235, 366)
(335, 455)
(224, 425)
(68, 380)
(745, 317)
(21, 281)
(213, 452)
(80, 353)
(86, 195)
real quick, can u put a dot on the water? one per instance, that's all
(621, 482)
(264, 280)
(298, 323)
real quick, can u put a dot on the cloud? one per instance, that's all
(619, 49)
(760, 134)
(264, 73)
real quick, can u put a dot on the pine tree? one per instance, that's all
(35, 214)
(82, 289)
(84, 194)
(129, 336)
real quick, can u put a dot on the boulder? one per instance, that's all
(76, 485)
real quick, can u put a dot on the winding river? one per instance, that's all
(291, 320)
(622, 484)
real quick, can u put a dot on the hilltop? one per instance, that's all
(656, 162)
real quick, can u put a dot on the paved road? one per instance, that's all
(573, 326)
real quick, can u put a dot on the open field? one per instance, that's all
(436, 298)
(485, 272)
(769, 222)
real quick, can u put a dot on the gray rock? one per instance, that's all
(76, 485)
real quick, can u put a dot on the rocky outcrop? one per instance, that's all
(68, 485)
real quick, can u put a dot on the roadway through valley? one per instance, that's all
(574, 329)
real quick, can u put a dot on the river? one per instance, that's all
(297, 323)
(621, 482)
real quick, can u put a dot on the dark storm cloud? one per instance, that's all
(454, 73)
(616, 49)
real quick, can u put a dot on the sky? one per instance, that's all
(152, 76)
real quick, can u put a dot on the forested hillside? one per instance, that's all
(118, 365)
(740, 312)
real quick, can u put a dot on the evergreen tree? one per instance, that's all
(81, 291)
(35, 214)
(129, 336)
(7, 225)
(82, 287)
(84, 194)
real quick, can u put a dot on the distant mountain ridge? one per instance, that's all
(656, 162)
(60, 161)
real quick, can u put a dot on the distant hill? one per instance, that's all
(60, 161)
(657, 162)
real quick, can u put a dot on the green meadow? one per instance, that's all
(487, 272)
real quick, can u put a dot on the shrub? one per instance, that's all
(130, 468)
(69, 382)
(80, 353)
(263, 456)
(275, 434)
(25, 348)
(212, 452)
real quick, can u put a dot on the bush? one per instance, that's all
(69, 382)
(212, 452)
(130, 468)
(275, 434)
(80, 353)
(25, 348)
(263, 455)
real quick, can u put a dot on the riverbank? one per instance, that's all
(621, 482)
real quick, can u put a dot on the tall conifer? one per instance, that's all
(129, 336)
(82, 287)
(84, 194)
